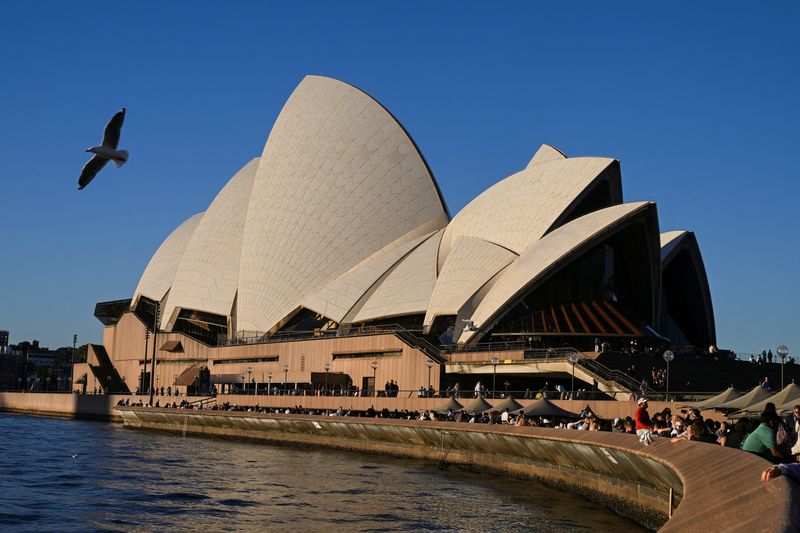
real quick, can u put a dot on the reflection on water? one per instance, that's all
(65, 475)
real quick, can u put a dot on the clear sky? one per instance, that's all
(699, 100)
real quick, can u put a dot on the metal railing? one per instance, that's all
(414, 337)
(421, 344)
(316, 334)
(608, 375)
(550, 353)
(488, 347)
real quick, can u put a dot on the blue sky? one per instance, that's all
(699, 101)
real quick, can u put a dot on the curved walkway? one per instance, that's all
(711, 488)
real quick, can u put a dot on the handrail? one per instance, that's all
(488, 347)
(617, 376)
(550, 353)
(305, 335)
(421, 344)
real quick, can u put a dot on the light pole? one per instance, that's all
(74, 344)
(244, 383)
(573, 358)
(269, 383)
(327, 367)
(430, 364)
(145, 389)
(249, 373)
(285, 374)
(783, 351)
(153, 377)
(374, 366)
(495, 361)
(668, 356)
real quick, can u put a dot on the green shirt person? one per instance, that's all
(762, 440)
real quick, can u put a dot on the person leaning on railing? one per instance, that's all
(792, 471)
(762, 440)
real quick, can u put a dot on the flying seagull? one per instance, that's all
(104, 152)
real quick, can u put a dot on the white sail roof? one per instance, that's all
(337, 298)
(339, 180)
(160, 271)
(520, 209)
(407, 288)
(546, 153)
(545, 255)
(207, 277)
(470, 264)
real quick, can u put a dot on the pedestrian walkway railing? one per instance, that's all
(206, 402)
(550, 353)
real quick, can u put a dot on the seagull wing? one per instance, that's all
(113, 128)
(90, 170)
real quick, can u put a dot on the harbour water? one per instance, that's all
(71, 475)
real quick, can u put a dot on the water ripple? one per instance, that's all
(72, 475)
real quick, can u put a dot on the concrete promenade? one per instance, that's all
(712, 488)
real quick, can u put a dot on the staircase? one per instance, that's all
(421, 344)
(609, 376)
(103, 369)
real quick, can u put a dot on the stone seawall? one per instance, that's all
(704, 487)
(713, 488)
(65, 405)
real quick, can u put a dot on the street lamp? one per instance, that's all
(783, 351)
(327, 367)
(74, 344)
(668, 356)
(243, 383)
(374, 366)
(145, 389)
(495, 361)
(153, 376)
(269, 383)
(573, 358)
(285, 373)
(430, 364)
(249, 372)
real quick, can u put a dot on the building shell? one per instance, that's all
(335, 247)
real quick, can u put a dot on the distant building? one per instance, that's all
(3, 341)
(32, 367)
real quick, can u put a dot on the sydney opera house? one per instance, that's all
(333, 256)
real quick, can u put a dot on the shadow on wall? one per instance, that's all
(91, 406)
(94, 406)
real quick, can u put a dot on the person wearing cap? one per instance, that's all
(644, 426)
